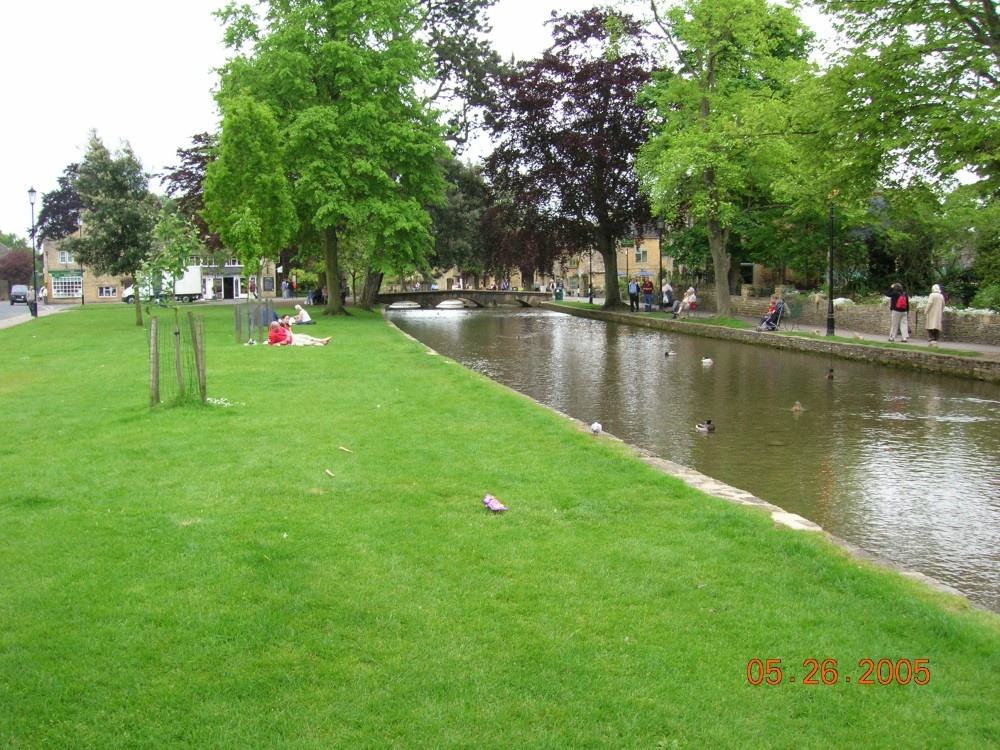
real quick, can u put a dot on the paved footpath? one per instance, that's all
(990, 351)
(17, 314)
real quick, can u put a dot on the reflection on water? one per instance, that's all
(903, 464)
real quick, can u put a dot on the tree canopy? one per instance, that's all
(120, 212)
(360, 145)
(721, 114)
(185, 184)
(246, 193)
(61, 209)
(567, 127)
(919, 83)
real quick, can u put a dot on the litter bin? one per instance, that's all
(559, 294)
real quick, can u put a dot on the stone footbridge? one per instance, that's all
(471, 297)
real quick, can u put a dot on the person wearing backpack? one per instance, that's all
(899, 308)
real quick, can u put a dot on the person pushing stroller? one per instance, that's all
(772, 318)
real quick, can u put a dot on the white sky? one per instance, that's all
(138, 72)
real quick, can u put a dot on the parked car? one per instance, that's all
(19, 293)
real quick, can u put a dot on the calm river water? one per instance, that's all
(902, 464)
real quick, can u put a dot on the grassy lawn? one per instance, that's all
(193, 577)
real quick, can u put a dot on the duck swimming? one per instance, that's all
(669, 353)
(706, 360)
(705, 426)
(798, 408)
(829, 374)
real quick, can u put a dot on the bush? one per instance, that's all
(987, 298)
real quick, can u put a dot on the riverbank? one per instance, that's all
(307, 562)
(975, 361)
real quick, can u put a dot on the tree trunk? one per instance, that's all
(718, 236)
(373, 282)
(331, 246)
(138, 304)
(609, 253)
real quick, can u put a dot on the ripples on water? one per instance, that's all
(903, 464)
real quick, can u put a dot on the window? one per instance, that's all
(66, 287)
(641, 256)
(233, 262)
(107, 292)
(66, 257)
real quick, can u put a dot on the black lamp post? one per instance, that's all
(79, 222)
(590, 276)
(829, 280)
(659, 244)
(34, 254)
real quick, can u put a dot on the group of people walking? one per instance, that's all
(899, 312)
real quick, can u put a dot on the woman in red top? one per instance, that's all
(278, 335)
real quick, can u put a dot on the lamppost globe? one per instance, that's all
(32, 193)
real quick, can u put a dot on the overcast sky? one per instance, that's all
(141, 72)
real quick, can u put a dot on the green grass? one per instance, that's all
(192, 577)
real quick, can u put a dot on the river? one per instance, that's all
(901, 463)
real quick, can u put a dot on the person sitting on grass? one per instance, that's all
(278, 335)
(302, 318)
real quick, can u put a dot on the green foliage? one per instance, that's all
(459, 240)
(358, 142)
(247, 197)
(15, 242)
(305, 281)
(120, 212)
(916, 90)
(722, 114)
(176, 240)
(987, 298)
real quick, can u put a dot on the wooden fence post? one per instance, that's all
(154, 364)
(198, 342)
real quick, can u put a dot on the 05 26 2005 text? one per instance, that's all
(825, 672)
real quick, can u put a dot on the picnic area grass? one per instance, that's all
(194, 577)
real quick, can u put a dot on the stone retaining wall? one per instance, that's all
(917, 359)
(872, 319)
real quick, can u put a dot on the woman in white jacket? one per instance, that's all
(933, 315)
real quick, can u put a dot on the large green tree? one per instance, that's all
(360, 144)
(917, 88)
(458, 235)
(247, 197)
(721, 114)
(120, 212)
(567, 127)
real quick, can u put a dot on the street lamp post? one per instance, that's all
(829, 278)
(34, 253)
(659, 247)
(79, 222)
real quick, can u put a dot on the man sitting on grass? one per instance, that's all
(278, 335)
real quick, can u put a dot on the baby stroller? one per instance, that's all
(772, 320)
